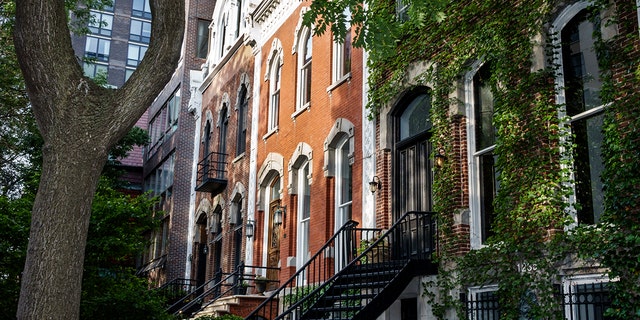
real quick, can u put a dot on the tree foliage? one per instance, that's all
(116, 235)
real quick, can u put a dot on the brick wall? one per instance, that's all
(311, 127)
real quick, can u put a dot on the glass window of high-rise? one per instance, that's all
(140, 31)
(141, 9)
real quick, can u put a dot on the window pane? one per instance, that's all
(580, 66)
(488, 188)
(588, 167)
(582, 93)
(415, 118)
(140, 31)
(483, 109)
(141, 8)
(346, 54)
(203, 39)
(345, 174)
(306, 193)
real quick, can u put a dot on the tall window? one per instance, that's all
(238, 17)
(140, 31)
(97, 48)
(344, 178)
(135, 54)
(223, 36)
(274, 89)
(237, 231)
(203, 39)
(304, 214)
(304, 70)
(581, 84)
(223, 126)
(482, 140)
(342, 55)
(141, 8)
(243, 107)
(101, 23)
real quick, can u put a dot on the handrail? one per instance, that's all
(212, 166)
(215, 289)
(407, 239)
(176, 289)
(190, 293)
(316, 270)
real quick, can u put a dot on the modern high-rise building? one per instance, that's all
(117, 39)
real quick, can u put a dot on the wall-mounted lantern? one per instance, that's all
(375, 184)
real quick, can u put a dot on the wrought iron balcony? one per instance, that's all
(212, 175)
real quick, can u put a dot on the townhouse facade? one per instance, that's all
(169, 171)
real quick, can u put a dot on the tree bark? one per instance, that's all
(79, 122)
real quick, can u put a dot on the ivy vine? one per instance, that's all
(533, 233)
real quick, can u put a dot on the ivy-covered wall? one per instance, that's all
(535, 238)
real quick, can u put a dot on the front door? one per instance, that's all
(413, 165)
(273, 251)
(202, 250)
(414, 176)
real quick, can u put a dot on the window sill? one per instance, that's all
(238, 158)
(270, 133)
(345, 78)
(298, 112)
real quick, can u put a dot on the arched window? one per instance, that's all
(243, 107)
(274, 93)
(579, 86)
(304, 70)
(413, 167)
(223, 128)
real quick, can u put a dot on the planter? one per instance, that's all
(261, 286)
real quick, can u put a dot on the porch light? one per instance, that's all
(277, 216)
(375, 184)
(249, 228)
(440, 158)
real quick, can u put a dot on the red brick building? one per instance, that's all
(309, 150)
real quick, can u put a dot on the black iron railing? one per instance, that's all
(212, 172)
(175, 289)
(336, 253)
(347, 282)
(576, 302)
(381, 261)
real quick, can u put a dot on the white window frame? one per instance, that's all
(303, 222)
(273, 74)
(558, 25)
(475, 198)
(339, 71)
(303, 92)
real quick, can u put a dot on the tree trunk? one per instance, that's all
(79, 122)
(51, 285)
